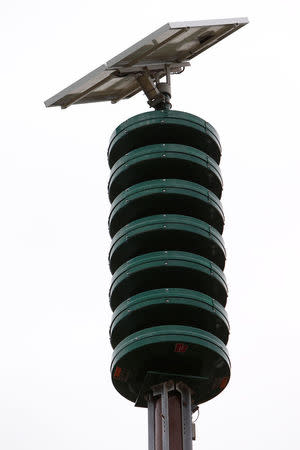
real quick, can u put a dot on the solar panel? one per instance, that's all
(170, 48)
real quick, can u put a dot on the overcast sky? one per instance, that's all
(55, 388)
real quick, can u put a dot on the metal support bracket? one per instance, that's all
(148, 77)
(186, 415)
(158, 94)
(159, 437)
(151, 422)
(150, 89)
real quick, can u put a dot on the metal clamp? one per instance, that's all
(161, 392)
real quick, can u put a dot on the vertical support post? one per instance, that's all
(151, 422)
(165, 417)
(186, 415)
(170, 417)
(175, 422)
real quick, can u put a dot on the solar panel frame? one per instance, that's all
(173, 44)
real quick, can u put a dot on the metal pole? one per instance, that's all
(151, 423)
(186, 415)
(170, 417)
(175, 422)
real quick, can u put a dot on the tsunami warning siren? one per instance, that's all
(168, 293)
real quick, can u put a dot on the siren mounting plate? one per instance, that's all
(166, 51)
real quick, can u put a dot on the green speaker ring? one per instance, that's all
(166, 232)
(169, 269)
(167, 307)
(165, 161)
(161, 127)
(186, 351)
(166, 113)
(165, 197)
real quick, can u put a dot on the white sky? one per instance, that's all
(55, 388)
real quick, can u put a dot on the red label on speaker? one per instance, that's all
(118, 372)
(181, 348)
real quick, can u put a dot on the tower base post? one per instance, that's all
(170, 417)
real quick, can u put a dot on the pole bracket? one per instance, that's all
(170, 417)
(148, 77)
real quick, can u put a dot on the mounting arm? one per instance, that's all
(148, 77)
